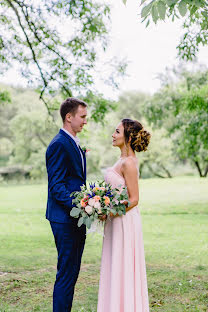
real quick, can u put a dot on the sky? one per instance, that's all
(148, 50)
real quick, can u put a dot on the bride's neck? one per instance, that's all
(125, 152)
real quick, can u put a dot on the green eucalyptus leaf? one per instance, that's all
(80, 222)
(75, 212)
(88, 223)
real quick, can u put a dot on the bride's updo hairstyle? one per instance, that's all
(134, 130)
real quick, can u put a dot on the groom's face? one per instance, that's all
(79, 119)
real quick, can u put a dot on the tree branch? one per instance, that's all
(155, 173)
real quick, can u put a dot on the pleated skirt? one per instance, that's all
(123, 282)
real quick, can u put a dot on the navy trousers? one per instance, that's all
(69, 240)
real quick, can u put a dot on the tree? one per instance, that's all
(53, 58)
(5, 112)
(182, 108)
(195, 25)
(5, 144)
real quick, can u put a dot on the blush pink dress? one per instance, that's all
(123, 283)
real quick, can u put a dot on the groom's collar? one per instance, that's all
(76, 139)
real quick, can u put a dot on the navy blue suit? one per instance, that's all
(65, 175)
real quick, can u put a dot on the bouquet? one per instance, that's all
(98, 199)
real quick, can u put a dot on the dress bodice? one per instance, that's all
(117, 181)
(114, 178)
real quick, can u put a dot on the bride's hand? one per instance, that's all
(102, 217)
(125, 202)
(113, 216)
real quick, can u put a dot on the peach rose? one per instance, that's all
(107, 200)
(96, 198)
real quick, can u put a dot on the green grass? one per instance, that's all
(175, 228)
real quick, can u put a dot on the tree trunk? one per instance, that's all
(198, 168)
(167, 171)
(205, 172)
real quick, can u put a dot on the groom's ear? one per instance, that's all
(68, 117)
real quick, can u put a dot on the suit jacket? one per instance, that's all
(65, 175)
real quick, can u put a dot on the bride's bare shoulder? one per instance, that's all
(129, 163)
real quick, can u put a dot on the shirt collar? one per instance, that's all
(75, 138)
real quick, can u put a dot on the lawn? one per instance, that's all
(175, 228)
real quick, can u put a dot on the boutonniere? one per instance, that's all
(85, 150)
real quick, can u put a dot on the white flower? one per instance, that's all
(97, 205)
(88, 209)
(91, 202)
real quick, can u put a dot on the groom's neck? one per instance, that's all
(69, 129)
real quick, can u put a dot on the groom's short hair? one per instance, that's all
(70, 105)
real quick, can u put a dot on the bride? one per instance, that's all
(123, 284)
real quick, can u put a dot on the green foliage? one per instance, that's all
(160, 9)
(98, 106)
(182, 108)
(196, 34)
(52, 59)
(195, 25)
(26, 130)
(4, 98)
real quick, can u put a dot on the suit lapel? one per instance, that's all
(76, 149)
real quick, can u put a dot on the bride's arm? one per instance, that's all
(129, 172)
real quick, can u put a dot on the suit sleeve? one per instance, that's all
(56, 163)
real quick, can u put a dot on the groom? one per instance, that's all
(66, 167)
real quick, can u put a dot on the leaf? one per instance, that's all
(143, 1)
(80, 222)
(146, 10)
(171, 2)
(182, 8)
(147, 24)
(154, 14)
(161, 9)
(124, 2)
(74, 212)
(88, 223)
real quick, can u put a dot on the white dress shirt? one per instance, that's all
(77, 141)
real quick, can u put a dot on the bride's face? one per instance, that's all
(118, 136)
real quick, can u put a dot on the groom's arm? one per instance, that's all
(56, 163)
